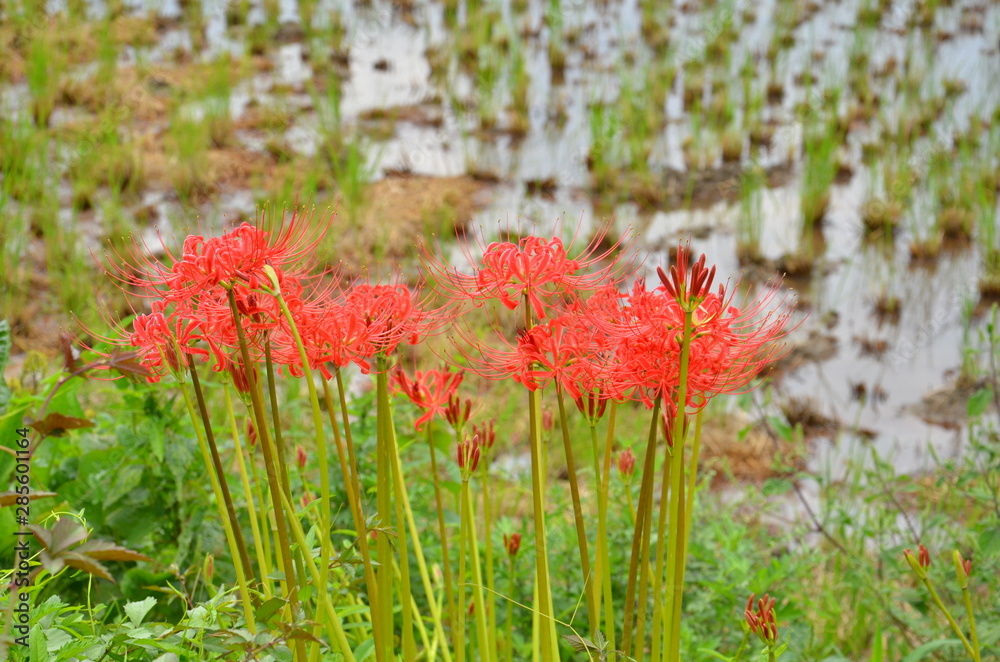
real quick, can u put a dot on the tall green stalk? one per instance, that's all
(263, 563)
(273, 479)
(349, 471)
(227, 526)
(602, 528)
(221, 475)
(449, 586)
(326, 548)
(491, 631)
(678, 525)
(589, 582)
(639, 532)
(383, 494)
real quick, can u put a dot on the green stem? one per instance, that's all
(332, 621)
(661, 534)
(543, 605)
(350, 486)
(326, 548)
(491, 632)
(485, 653)
(273, 478)
(221, 473)
(638, 534)
(361, 522)
(224, 513)
(262, 559)
(463, 537)
(678, 524)
(409, 644)
(418, 552)
(967, 599)
(547, 639)
(589, 584)
(510, 614)
(449, 586)
(384, 481)
(602, 534)
(973, 653)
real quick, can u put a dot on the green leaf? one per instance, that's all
(365, 650)
(38, 645)
(989, 541)
(268, 608)
(979, 401)
(877, 654)
(923, 651)
(128, 478)
(137, 611)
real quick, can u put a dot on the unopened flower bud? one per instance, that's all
(208, 568)
(487, 433)
(915, 564)
(512, 543)
(300, 457)
(468, 456)
(626, 462)
(547, 421)
(251, 433)
(962, 569)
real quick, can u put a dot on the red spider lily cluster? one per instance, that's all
(192, 314)
(597, 343)
(583, 334)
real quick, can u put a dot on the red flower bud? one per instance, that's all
(924, 557)
(468, 455)
(300, 457)
(547, 421)
(626, 462)
(251, 432)
(512, 543)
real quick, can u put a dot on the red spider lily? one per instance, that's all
(729, 345)
(536, 270)
(159, 339)
(391, 316)
(430, 390)
(238, 256)
(564, 349)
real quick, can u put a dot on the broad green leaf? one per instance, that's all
(38, 645)
(989, 541)
(979, 401)
(924, 651)
(137, 611)
(268, 608)
(365, 650)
